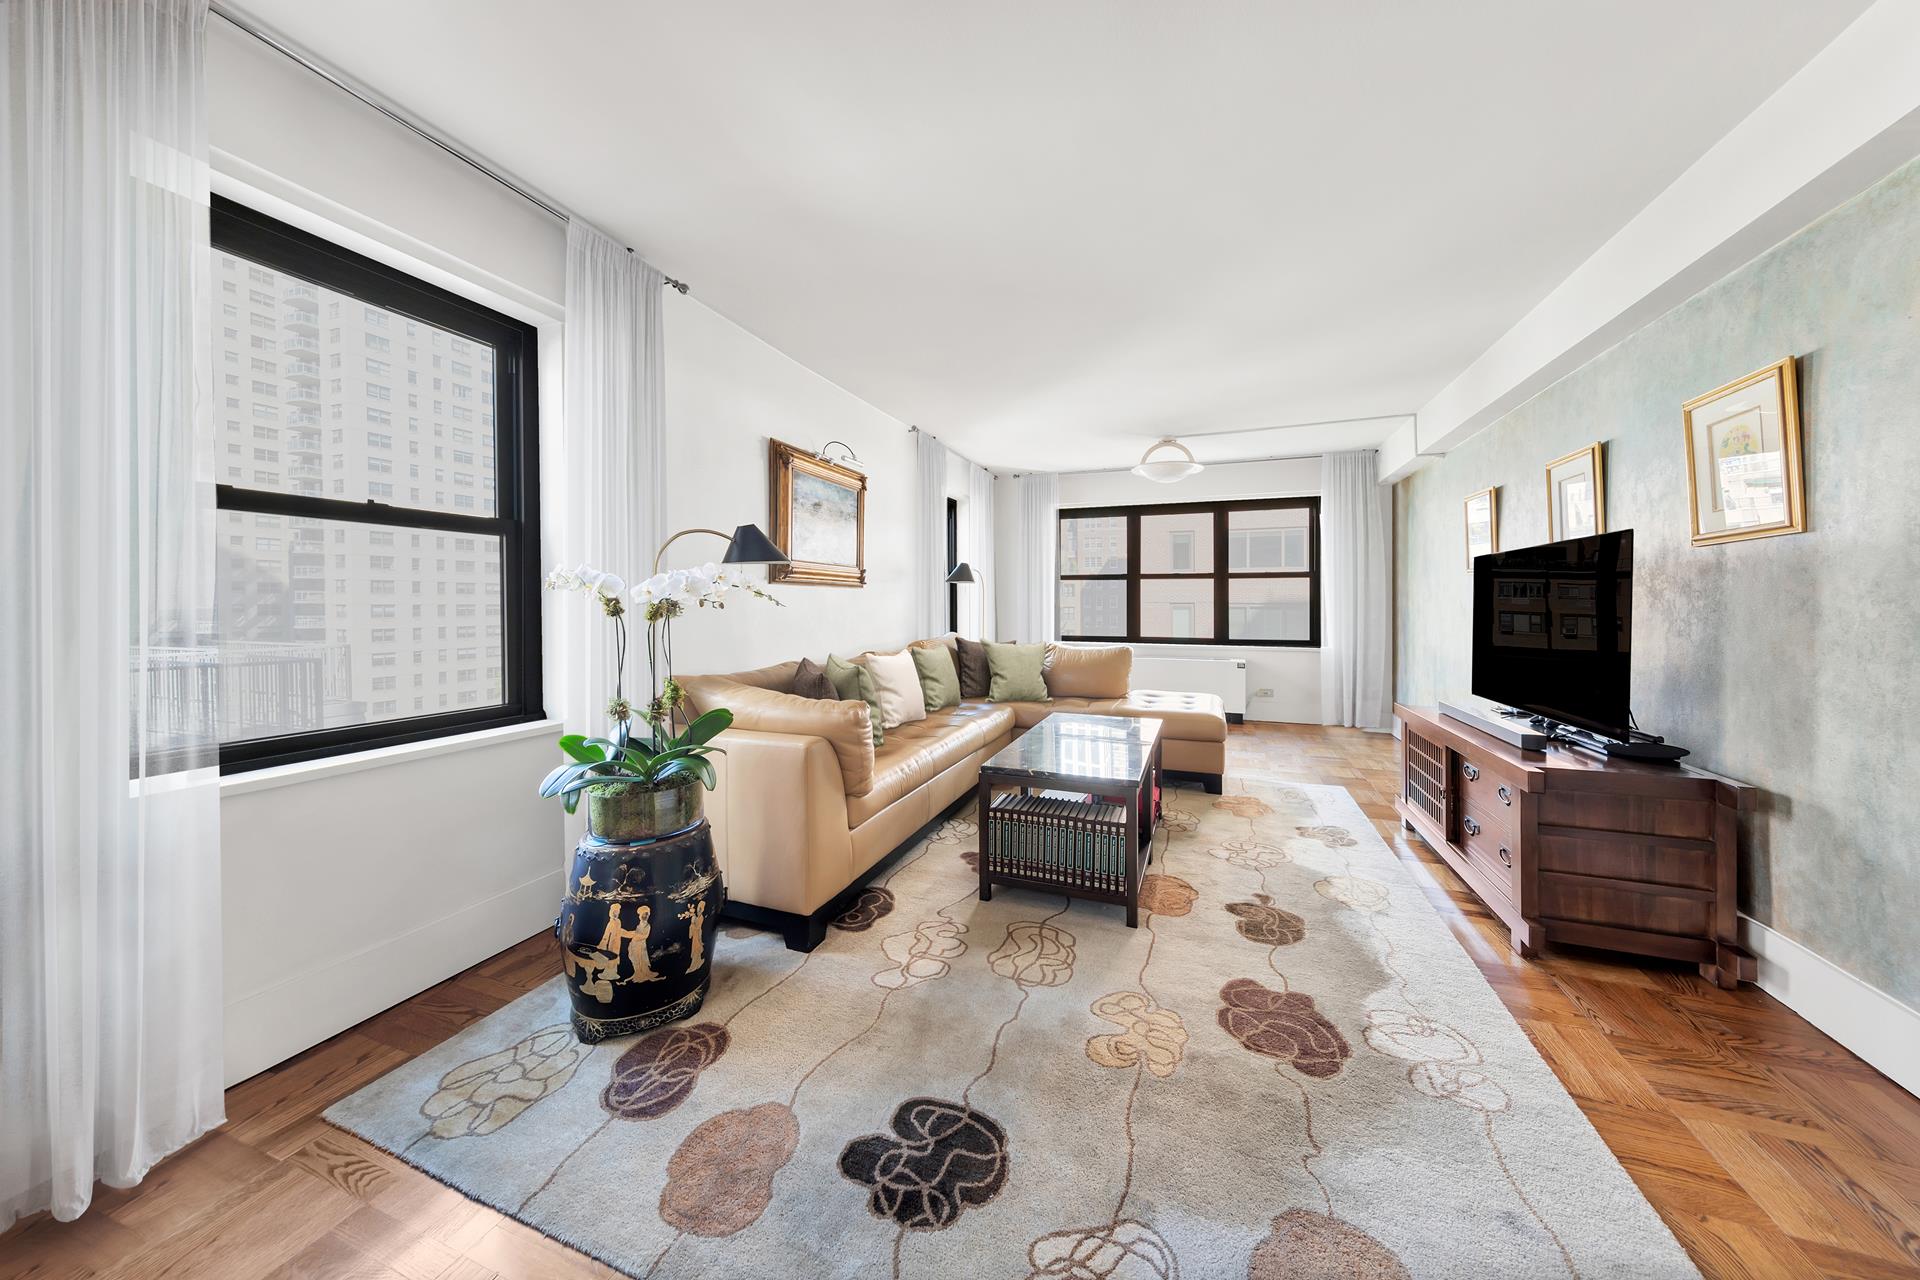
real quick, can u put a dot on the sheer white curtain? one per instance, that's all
(930, 534)
(976, 548)
(1356, 592)
(612, 456)
(110, 996)
(1034, 587)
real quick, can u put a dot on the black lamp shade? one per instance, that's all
(962, 572)
(752, 546)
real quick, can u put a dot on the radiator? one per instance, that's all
(1224, 676)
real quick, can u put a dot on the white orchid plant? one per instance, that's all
(667, 755)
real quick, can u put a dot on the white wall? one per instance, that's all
(346, 890)
(1282, 684)
(727, 394)
(350, 884)
(267, 115)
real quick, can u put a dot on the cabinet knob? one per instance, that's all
(1472, 771)
(1473, 828)
(1506, 794)
(1506, 858)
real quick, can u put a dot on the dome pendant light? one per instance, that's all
(1167, 470)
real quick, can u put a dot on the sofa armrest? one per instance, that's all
(846, 726)
(779, 817)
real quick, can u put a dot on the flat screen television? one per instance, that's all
(1553, 630)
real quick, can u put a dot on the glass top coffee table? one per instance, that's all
(1068, 807)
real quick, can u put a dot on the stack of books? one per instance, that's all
(1058, 836)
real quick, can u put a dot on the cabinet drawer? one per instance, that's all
(1643, 815)
(1619, 856)
(1481, 782)
(1585, 901)
(1494, 822)
(1495, 852)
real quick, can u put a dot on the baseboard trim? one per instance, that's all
(1882, 1030)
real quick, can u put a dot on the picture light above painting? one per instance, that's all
(819, 511)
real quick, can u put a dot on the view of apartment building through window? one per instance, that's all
(324, 623)
(1228, 573)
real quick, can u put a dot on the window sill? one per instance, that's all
(287, 775)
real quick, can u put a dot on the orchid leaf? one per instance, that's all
(575, 745)
(705, 728)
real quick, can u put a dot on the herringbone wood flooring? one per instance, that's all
(1769, 1149)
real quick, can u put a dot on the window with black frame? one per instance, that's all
(377, 490)
(1239, 573)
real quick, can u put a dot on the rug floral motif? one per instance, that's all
(1289, 1071)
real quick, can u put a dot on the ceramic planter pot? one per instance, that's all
(637, 927)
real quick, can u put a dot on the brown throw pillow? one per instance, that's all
(974, 676)
(810, 681)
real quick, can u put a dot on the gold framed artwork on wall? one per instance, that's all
(1577, 494)
(819, 518)
(1743, 458)
(1483, 524)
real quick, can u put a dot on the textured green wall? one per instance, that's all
(1793, 662)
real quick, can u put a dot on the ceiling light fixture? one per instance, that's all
(1167, 470)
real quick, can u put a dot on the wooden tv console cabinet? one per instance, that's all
(1567, 846)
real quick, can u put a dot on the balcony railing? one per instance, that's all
(243, 690)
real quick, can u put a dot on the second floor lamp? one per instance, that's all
(964, 574)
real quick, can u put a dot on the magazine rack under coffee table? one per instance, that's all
(1115, 760)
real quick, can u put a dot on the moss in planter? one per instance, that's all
(629, 811)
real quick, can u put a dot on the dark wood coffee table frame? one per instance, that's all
(1139, 800)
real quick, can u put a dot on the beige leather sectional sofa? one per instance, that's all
(806, 807)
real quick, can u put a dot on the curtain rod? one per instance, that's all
(400, 116)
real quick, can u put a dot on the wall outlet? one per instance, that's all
(1263, 693)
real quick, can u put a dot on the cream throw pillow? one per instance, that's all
(897, 681)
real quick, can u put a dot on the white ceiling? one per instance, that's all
(1052, 233)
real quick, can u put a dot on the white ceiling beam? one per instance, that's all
(1845, 120)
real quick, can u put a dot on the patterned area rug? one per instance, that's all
(1289, 1071)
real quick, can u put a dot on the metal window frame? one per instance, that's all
(250, 234)
(953, 560)
(1221, 577)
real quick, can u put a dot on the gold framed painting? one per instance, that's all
(819, 519)
(1577, 494)
(1744, 475)
(1483, 524)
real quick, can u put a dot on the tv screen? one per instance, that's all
(1553, 630)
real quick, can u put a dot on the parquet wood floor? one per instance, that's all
(1768, 1148)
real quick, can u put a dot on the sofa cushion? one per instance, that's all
(916, 753)
(1016, 673)
(810, 681)
(939, 678)
(854, 683)
(1075, 671)
(846, 725)
(1189, 717)
(897, 680)
(975, 676)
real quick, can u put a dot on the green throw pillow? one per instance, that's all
(1015, 673)
(850, 680)
(939, 681)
